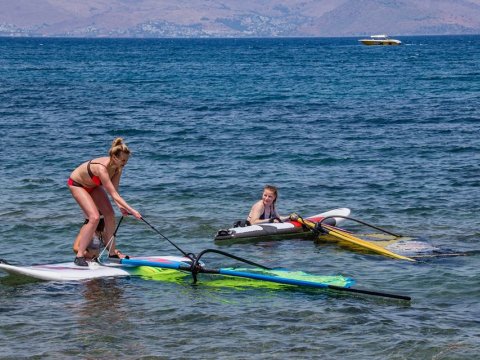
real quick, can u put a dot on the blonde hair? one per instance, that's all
(118, 146)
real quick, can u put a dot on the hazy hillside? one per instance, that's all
(234, 18)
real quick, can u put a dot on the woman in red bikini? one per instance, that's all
(89, 184)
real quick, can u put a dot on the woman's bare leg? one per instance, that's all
(88, 206)
(105, 207)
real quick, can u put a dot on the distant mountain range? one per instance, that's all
(237, 18)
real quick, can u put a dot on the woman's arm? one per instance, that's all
(111, 189)
(257, 210)
(116, 178)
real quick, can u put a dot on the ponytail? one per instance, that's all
(118, 146)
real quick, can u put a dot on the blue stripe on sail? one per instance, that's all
(164, 264)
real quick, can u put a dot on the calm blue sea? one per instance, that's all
(390, 132)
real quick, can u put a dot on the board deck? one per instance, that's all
(68, 271)
(169, 269)
(276, 231)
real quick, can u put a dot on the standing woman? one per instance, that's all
(89, 184)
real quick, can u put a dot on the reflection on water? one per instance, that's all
(103, 312)
(103, 300)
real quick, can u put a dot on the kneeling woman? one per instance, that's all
(93, 249)
(89, 184)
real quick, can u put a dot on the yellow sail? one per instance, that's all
(347, 238)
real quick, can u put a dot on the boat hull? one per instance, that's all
(381, 43)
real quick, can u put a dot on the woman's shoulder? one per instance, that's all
(100, 160)
(258, 205)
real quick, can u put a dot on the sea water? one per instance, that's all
(390, 132)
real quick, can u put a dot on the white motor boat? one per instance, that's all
(380, 40)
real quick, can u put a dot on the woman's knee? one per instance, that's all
(93, 219)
